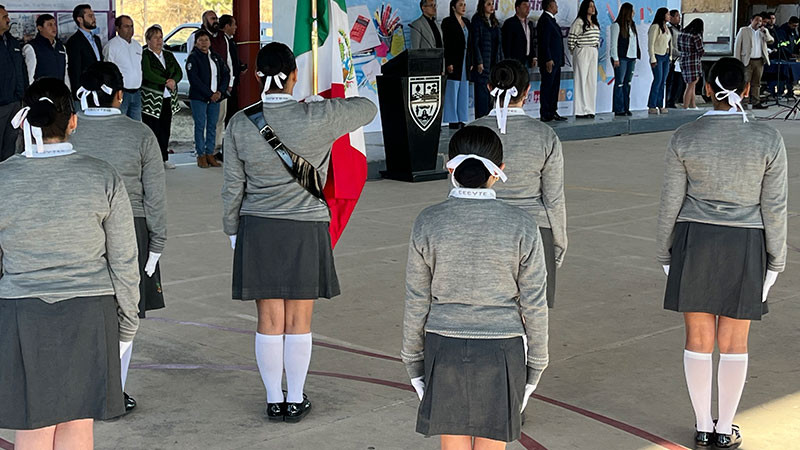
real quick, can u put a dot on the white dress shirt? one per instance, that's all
(758, 37)
(213, 72)
(128, 57)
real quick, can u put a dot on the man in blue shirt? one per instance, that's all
(83, 47)
(12, 85)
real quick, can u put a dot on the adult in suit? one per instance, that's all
(12, 85)
(551, 57)
(227, 24)
(487, 49)
(458, 63)
(752, 50)
(425, 31)
(519, 35)
(83, 47)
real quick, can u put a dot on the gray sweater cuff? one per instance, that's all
(416, 369)
(534, 375)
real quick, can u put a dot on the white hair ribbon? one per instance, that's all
(268, 79)
(734, 99)
(29, 132)
(502, 113)
(490, 166)
(83, 94)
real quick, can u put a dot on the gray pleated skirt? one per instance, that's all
(718, 270)
(58, 362)
(150, 295)
(550, 264)
(288, 259)
(473, 387)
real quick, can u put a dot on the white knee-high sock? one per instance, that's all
(269, 356)
(731, 376)
(126, 350)
(296, 358)
(699, 370)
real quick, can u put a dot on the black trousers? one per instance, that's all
(548, 92)
(161, 127)
(8, 134)
(675, 87)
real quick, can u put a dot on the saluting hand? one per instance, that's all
(549, 66)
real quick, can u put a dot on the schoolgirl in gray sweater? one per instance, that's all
(475, 287)
(532, 151)
(132, 148)
(722, 241)
(68, 279)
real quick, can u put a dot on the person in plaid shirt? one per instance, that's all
(690, 44)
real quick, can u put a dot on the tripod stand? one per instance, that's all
(779, 95)
(793, 110)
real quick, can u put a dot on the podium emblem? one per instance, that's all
(424, 100)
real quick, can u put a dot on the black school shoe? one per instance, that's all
(296, 411)
(732, 440)
(130, 403)
(703, 438)
(276, 411)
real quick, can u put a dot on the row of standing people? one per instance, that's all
(269, 212)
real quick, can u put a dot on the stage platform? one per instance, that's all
(603, 126)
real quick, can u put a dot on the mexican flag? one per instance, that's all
(336, 77)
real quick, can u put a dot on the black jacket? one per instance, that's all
(13, 80)
(81, 56)
(455, 46)
(198, 70)
(514, 45)
(236, 63)
(551, 42)
(487, 46)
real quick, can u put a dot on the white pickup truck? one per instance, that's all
(175, 41)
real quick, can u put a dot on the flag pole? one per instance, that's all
(314, 46)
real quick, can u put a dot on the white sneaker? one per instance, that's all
(168, 165)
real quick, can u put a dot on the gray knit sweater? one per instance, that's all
(256, 181)
(535, 170)
(131, 147)
(475, 270)
(66, 231)
(722, 171)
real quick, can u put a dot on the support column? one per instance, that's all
(248, 36)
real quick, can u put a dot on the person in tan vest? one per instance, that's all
(751, 49)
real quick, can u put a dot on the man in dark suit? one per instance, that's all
(12, 85)
(227, 24)
(83, 47)
(551, 59)
(519, 35)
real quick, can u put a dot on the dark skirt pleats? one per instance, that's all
(550, 263)
(718, 270)
(150, 294)
(474, 387)
(288, 259)
(58, 362)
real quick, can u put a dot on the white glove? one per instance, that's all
(768, 282)
(419, 386)
(666, 269)
(529, 388)
(124, 347)
(233, 241)
(150, 266)
(314, 99)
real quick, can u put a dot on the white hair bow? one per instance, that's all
(29, 132)
(502, 113)
(734, 99)
(268, 79)
(490, 166)
(83, 95)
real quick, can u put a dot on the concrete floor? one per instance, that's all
(615, 379)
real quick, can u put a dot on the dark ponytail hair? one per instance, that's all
(510, 73)
(475, 140)
(52, 118)
(275, 58)
(731, 74)
(98, 74)
(660, 19)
